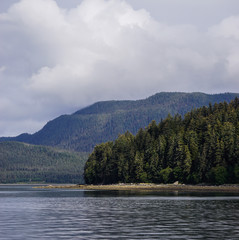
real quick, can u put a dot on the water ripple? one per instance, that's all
(60, 214)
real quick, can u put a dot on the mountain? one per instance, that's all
(104, 121)
(21, 162)
(201, 147)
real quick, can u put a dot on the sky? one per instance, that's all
(58, 56)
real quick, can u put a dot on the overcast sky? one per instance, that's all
(57, 56)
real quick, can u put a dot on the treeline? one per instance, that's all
(21, 162)
(202, 147)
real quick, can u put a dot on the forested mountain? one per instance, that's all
(20, 162)
(201, 147)
(104, 121)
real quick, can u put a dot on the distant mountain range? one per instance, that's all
(104, 121)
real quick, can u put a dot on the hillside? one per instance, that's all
(104, 121)
(202, 147)
(20, 162)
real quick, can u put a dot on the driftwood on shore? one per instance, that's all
(151, 187)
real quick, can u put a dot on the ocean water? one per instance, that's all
(30, 213)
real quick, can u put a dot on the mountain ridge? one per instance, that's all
(104, 121)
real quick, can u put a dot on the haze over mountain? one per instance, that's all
(104, 121)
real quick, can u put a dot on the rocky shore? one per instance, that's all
(151, 187)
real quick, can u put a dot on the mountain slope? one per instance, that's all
(104, 121)
(20, 162)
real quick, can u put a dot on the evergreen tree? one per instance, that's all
(202, 147)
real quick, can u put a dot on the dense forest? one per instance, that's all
(104, 121)
(20, 162)
(202, 147)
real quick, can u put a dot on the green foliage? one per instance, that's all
(236, 173)
(140, 174)
(165, 174)
(201, 147)
(104, 121)
(21, 162)
(219, 175)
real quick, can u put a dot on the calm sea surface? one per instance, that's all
(28, 213)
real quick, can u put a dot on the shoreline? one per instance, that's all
(150, 187)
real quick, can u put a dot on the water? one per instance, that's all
(28, 213)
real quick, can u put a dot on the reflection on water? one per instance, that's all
(27, 213)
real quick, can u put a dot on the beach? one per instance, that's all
(150, 187)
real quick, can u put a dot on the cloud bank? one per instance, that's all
(54, 60)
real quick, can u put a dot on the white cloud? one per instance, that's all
(228, 28)
(227, 34)
(55, 60)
